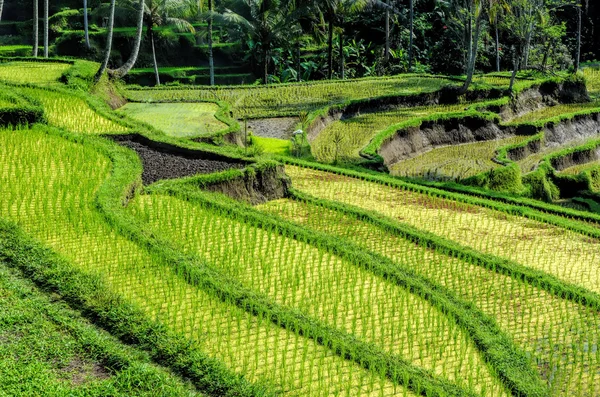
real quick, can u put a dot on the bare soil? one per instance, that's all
(279, 127)
(167, 163)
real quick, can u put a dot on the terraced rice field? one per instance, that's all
(41, 73)
(291, 100)
(72, 113)
(342, 140)
(554, 111)
(454, 162)
(180, 120)
(55, 204)
(524, 241)
(338, 293)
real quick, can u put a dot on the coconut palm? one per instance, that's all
(211, 59)
(36, 23)
(85, 25)
(264, 22)
(156, 14)
(46, 7)
(128, 65)
(109, 37)
(1, 6)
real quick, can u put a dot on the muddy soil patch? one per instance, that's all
(278, 127)
(164, 161)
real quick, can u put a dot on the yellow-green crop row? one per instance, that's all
(323, 286)
(524, 241)
(454, 162)
(42, 73)
(554, 111)
(71, 112)
(556, 333)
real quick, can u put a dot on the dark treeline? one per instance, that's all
(294, 40)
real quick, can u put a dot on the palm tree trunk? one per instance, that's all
(127, 66)
(36, 24)
(154, 59)
(517, 65)
(211, 60)
(265, 64)
(342, 65)
(1, 6)
(111, 23)
(578, 54)
(85, 25)
(473, 54)
(497, 46)
(298, 62)
(411, 32)
(330, 50)
(46, 6)
(387, 32)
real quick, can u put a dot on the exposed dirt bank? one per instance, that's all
(411, 142)
(164, 161)
(576, 158)
(256, 187)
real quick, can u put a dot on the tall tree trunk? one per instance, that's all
(546, 54)
(298, 62)
(265, 64)
(46, 6)
(156, 75)
(36, 24)
(527, 44)
(517, 66)
(497, 45)
(1, 6)
(109, 37)
(578, 54)
(473, 54)
(85, 25)
(330, 50)
(342, 60)
(387, 32)
(411, 33)
(126, 67)
(211, 60)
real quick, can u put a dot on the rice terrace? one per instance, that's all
(252, 198)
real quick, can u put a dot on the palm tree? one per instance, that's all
(126, 67)
(496, 7)
(211, 59)
(111, 23)
(156, 13)
(36, 23)
(1, 6)
(265, 24)
(411, 32)
(46, 6)
(85, 25)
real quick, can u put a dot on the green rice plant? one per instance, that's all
(592, 77)
(525, 241)
(323, 286)
(180, 120)
(42, 73)
(555, 332)
(48, 349)
(343, 139)
(291, 99)
(455, 161)
(50, 190)
(71, 112)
